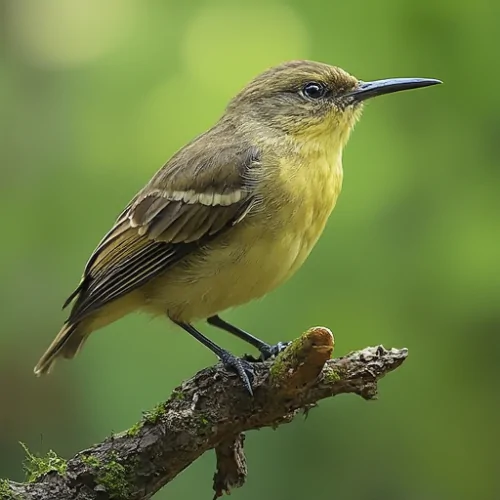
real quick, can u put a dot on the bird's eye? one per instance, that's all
(314, 90)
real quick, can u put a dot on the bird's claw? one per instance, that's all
(272, 350)
(267, 352)
(242, 367)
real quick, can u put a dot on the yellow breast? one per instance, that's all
(314, 187)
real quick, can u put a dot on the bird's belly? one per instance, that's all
(246, 264)
(226, 276)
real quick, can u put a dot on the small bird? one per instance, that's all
(231, 215)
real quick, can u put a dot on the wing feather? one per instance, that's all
(187, 204)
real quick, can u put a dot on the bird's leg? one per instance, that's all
(266, 350)
(242, 367)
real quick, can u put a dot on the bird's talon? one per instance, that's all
(242, 367)
(273, 350)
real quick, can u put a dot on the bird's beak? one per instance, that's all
(367, 90)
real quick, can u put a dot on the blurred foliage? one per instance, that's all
(95, 96)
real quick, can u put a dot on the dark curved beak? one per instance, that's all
(367, 90)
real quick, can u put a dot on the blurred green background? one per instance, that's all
(95, 96)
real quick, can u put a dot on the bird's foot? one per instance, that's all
(242, 367)
(267, 352)
(272, 351)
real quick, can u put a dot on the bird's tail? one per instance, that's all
(66, 344)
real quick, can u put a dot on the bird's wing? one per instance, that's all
(203, 190)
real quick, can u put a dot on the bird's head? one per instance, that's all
(310, 98)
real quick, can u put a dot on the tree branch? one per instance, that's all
(209, 411)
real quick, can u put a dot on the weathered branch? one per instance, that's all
(210, 411)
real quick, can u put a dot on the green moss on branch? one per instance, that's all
(35, 466)
(110, 474)
(6, 492)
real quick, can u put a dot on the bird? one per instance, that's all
(231, 215)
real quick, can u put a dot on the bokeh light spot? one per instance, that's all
(55, 34)
(226, 45)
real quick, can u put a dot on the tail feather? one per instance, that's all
(66, 344)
